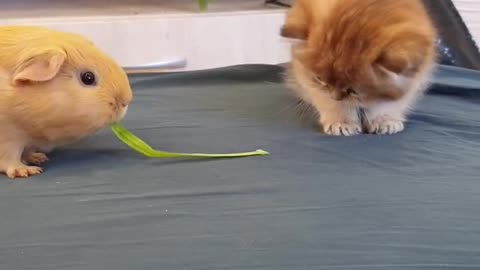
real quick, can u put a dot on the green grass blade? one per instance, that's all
(143, 148)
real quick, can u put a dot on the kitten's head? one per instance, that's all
(355, 54)
(386, 79)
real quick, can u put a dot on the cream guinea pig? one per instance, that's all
(55, 88)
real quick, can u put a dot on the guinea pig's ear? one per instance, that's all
(39, 67)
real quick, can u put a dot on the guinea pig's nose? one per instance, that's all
(122, 112)
(121, 102)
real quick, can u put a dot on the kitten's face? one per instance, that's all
(369, 85)
(337, 91)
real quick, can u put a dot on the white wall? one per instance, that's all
(136, 32)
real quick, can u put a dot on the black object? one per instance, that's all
(277, 2)
(455, 44)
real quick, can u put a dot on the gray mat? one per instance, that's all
(403, 202)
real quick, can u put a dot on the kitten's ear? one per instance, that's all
(394, 61)
(294, 31)
(407, 55)
(296, 23)
(392, 67)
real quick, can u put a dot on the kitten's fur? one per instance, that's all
(374, 55)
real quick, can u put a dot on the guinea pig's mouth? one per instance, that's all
(123, 113)
(118, 115)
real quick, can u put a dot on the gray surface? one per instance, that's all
(409, 201)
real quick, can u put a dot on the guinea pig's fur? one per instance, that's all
(48, 97)
(374, 56)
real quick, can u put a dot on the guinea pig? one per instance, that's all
(55, 88)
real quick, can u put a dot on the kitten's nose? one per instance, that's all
(337, 95)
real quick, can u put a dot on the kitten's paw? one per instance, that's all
(22, 171)
(385, 125)
(342, 129)
(36, 158)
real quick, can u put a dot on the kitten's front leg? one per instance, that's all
(386, 118)
(389, 117)
(338, 118)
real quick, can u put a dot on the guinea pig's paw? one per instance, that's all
(22, 171)
(385, 125)
(342, 129)
(35, 158)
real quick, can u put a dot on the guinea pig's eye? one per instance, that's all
(88, 78)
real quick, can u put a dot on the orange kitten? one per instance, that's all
(374, 56)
